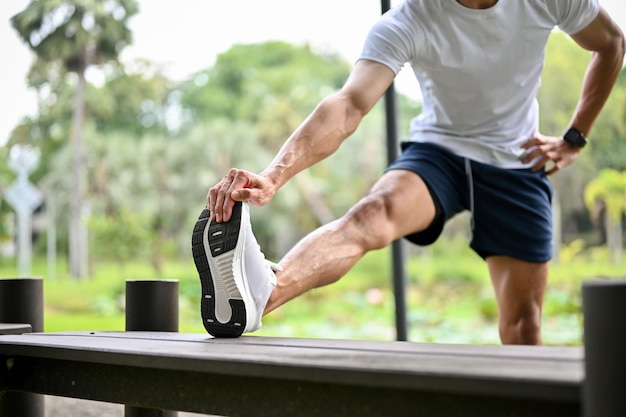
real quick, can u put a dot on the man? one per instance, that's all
(474, 147)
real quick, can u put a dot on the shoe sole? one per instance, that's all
(214, 247)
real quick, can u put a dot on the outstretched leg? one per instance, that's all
(398, 204)
(519, 288)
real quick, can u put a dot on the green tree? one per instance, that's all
(608, 145)
(562, 77)
(121, 237)
(134, 98)
(76, 34)
(247, 81)
(608, 189)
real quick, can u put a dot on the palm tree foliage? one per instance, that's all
(75, 34)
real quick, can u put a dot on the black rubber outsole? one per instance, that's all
(222, 239)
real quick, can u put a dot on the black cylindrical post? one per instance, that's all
(151, 305)
(21, 301)
(604, 309)
(23, 404)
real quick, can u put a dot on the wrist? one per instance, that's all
(575, 137)
(272, 177)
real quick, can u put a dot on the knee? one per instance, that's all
(370, 223)
(522, 329)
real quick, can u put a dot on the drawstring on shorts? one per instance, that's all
(470, 186)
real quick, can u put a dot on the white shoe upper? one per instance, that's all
(258, 272)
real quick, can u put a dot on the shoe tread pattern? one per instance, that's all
(224, 240)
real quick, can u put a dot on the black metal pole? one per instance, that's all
(397, 248)
(604, 310)
(151, 305)
(21, 301)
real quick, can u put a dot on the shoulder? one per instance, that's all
(407, 23)
(571, 16)
(419, 12)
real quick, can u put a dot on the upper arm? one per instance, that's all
(602, 34)
(366, 84)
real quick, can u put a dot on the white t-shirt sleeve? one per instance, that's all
(572, 16)
(391, 41)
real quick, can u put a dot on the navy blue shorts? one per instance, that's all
(511, 208)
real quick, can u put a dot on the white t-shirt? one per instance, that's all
(478, 70)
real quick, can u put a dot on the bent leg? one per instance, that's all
(519, 288)
(398, 204)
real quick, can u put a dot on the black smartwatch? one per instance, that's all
(575, 137)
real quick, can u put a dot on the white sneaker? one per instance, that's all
(236, 278)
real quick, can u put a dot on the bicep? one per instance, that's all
(599, 35)
(366, 84)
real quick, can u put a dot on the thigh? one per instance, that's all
(519, 287)
(446, 181)
(399, 204)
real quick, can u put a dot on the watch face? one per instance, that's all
(575, 138)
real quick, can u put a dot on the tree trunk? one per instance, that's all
(78, 241)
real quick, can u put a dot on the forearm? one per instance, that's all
(320, 135)
(601, 75)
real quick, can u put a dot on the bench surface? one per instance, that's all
(194, 372)
(14, 328)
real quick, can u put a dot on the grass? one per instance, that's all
(449, 298)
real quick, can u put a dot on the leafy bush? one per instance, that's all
(120, 238)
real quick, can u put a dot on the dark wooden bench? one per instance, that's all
(260, 376)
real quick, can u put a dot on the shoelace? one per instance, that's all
(274, 266)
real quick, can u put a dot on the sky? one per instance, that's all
(187, 37)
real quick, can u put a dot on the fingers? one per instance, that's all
(548, 153)
(532, 142)
(551, 162)
(220, 200)
(242, 194)
(237, 185)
